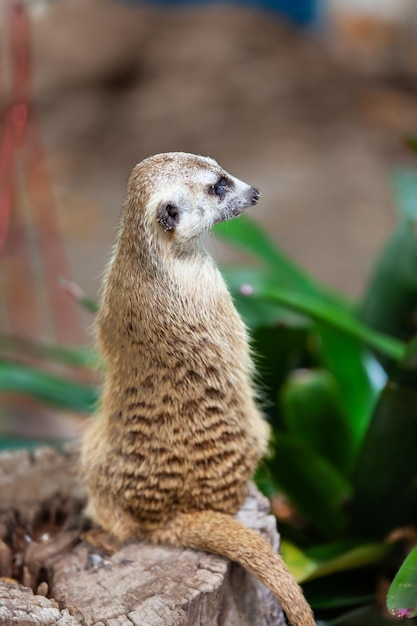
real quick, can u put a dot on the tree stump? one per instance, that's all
(52, 576)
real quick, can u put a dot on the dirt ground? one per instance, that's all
(113, 84)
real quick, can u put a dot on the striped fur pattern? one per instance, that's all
(178, 434)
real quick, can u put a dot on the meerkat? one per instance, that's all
(178, 435)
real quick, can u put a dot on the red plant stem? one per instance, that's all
(14, 129)
(6, 173)
(21, 123)
(17, 116)
(20, 293)
(65, 312)
(20, 51)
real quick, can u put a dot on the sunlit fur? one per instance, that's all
(178, 435)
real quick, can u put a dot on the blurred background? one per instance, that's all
(309, 100)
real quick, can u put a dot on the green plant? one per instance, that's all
(339, 383)
(341, 392)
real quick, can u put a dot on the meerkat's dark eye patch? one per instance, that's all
(222, 186)
(168, 215)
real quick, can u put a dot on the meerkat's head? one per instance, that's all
(179, 196)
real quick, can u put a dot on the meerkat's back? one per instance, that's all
(179, 434)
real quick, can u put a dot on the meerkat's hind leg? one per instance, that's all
(115, 521)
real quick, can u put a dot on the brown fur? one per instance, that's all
(179, 435)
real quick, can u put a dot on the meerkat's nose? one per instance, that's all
(256, 194)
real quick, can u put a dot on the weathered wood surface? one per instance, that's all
(41, 500)
(19, 607)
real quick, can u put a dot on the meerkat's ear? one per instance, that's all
(168, 215)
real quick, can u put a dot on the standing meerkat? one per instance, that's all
(178, 435)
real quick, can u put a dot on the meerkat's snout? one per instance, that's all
(256, 194)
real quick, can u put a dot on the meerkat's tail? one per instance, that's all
(219, 533)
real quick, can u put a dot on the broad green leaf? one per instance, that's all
(402, 594)
(247, 235)
(355, 373)
(387, 465)
(331, 558)
(340, 335)
(386, 471)
(47, 387)
(405, 190)
(317, 489)
(300, 565)
(278, 350)
(302, 294)
(341, 591)
(313, 412)
(391, 297)
(406, 374)
(295, 289)
(22, 346)
(359, 376)
(361, 556)
(264, 480)
(335, 317)
(256, 312)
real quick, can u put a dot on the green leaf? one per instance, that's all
(313, 412)
(357, 557)
(335, 317)
(300, 565)
(264, 480)
(359, 376)
(277, 351)
(391, 297)
(387, 465)
(356, 373)
(406, 374)
(340, 332)
(25, 347)
(256, 312)
(47, 387)
(341, 590)
(405, 190)
(402, 594)
(247, 235)
(386, 470)
(295, 289)
(317, 489)
(331, 558)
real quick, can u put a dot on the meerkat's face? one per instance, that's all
(190, 194)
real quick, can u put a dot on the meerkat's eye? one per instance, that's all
(221, 187)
